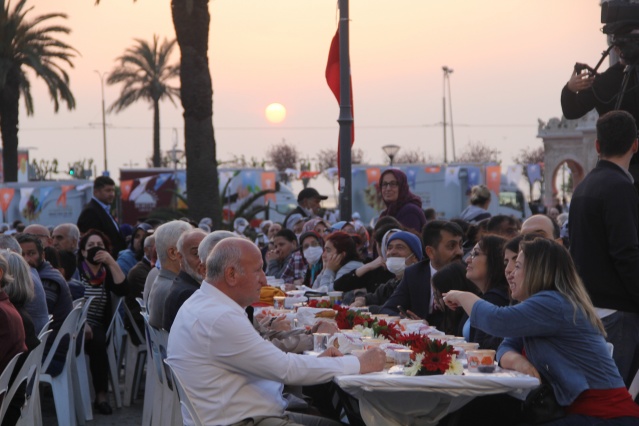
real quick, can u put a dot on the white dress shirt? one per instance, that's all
(228, 370)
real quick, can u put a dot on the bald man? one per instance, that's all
(232, 373)
(543, 226)
(41, 232)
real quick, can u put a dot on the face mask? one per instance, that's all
(91, 254)
(309, 212)
(396, 265)
(240, 228)
(313, 254)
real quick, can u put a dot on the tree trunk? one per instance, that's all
(157, 162)
(9, 110)
(191, 19)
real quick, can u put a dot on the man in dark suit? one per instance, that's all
(604, 242)
(97, 214)
(442, 245)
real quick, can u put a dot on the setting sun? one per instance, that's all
(275, 113)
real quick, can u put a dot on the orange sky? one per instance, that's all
(510, 60)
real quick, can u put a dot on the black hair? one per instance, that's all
(102, 181)
(616, 131)
(432, 232)
(28, 238)
(287, 234)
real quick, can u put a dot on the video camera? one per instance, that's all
(620, 19)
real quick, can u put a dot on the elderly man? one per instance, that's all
(190, 276)
(66, 237)
(166, 238)
(233, 375)
(543, 226)
(41, 232)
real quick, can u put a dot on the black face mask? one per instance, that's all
(91, 254)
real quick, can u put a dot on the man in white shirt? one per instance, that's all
(231, 374)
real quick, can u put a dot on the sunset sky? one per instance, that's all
(510, 60)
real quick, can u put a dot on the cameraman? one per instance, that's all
(585, 91)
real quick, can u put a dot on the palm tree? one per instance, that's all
(28, 44)
(145, 71)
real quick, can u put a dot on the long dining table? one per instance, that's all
(387, 399)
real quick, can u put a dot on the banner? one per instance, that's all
(534, 172)
(6, 196)
(411, 176)
(493, 178)
(268, 182)
(372, 175)
(432, 169)
(44, 194)
(307, 174)
(125, 189)
(25, 195)
(513, 174)
(139, 190)
(161, 178)
(474, 173)
(452, 176)
(62, 199)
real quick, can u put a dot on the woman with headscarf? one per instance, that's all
(401, 204)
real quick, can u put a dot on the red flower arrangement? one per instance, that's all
(430, 357)
(347, 318)
(389, 331)
(320, 304)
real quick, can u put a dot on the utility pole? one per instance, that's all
(104, 140)
(345, 119)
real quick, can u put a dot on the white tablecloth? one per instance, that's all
(389, 399)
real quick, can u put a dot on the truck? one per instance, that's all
(445, 188)
(145, 190)
(48, 203)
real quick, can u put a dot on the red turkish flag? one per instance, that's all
(332, 78)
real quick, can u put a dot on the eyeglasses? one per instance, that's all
(474, 254)
(391, 184)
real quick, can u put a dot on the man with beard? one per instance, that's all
(442, 245)
(56, 289)
(188, 279)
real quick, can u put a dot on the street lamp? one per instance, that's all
(447, 73)
(175, 154)
(391, 151)
(104, 142)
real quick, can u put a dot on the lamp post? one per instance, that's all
(391, 151)
(447, 73)
(104, 140)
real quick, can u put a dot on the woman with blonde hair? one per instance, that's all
(554, 334)
(17, 283)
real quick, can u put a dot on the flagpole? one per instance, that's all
(345, 119)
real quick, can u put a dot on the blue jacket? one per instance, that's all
(562, 344)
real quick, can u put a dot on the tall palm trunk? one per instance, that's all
(191, 19)
(9, 110)
(157, 162)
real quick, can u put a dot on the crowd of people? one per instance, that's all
(546, 302)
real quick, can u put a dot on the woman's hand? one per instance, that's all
(359, 302)
(451, 299)
(104, 257)
(335, 261)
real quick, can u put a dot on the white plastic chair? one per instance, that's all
(4, 384)
(29, 374)
(45, 327)
(83, 406)
(62, 384)
(185, 400)
(634, 386)
(135, 358)
(142, 304)
(152, 398)
(116, 335)
(171, 412)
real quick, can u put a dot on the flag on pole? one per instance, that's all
(333, 80)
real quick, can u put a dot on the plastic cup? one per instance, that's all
(402, 356)
(335, 297)
(278, 302)
(320, 342)
(481, 361)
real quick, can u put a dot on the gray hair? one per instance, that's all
(184, 236)
(167, 236)
(222, 257)
(149, 241)
(207, 244)
(8, 242)
(6, 276)
(71, 230)
(20, 287)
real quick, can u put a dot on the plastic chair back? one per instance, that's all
(185, 401)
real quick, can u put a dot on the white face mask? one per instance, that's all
(313, 254)
(396, 265)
